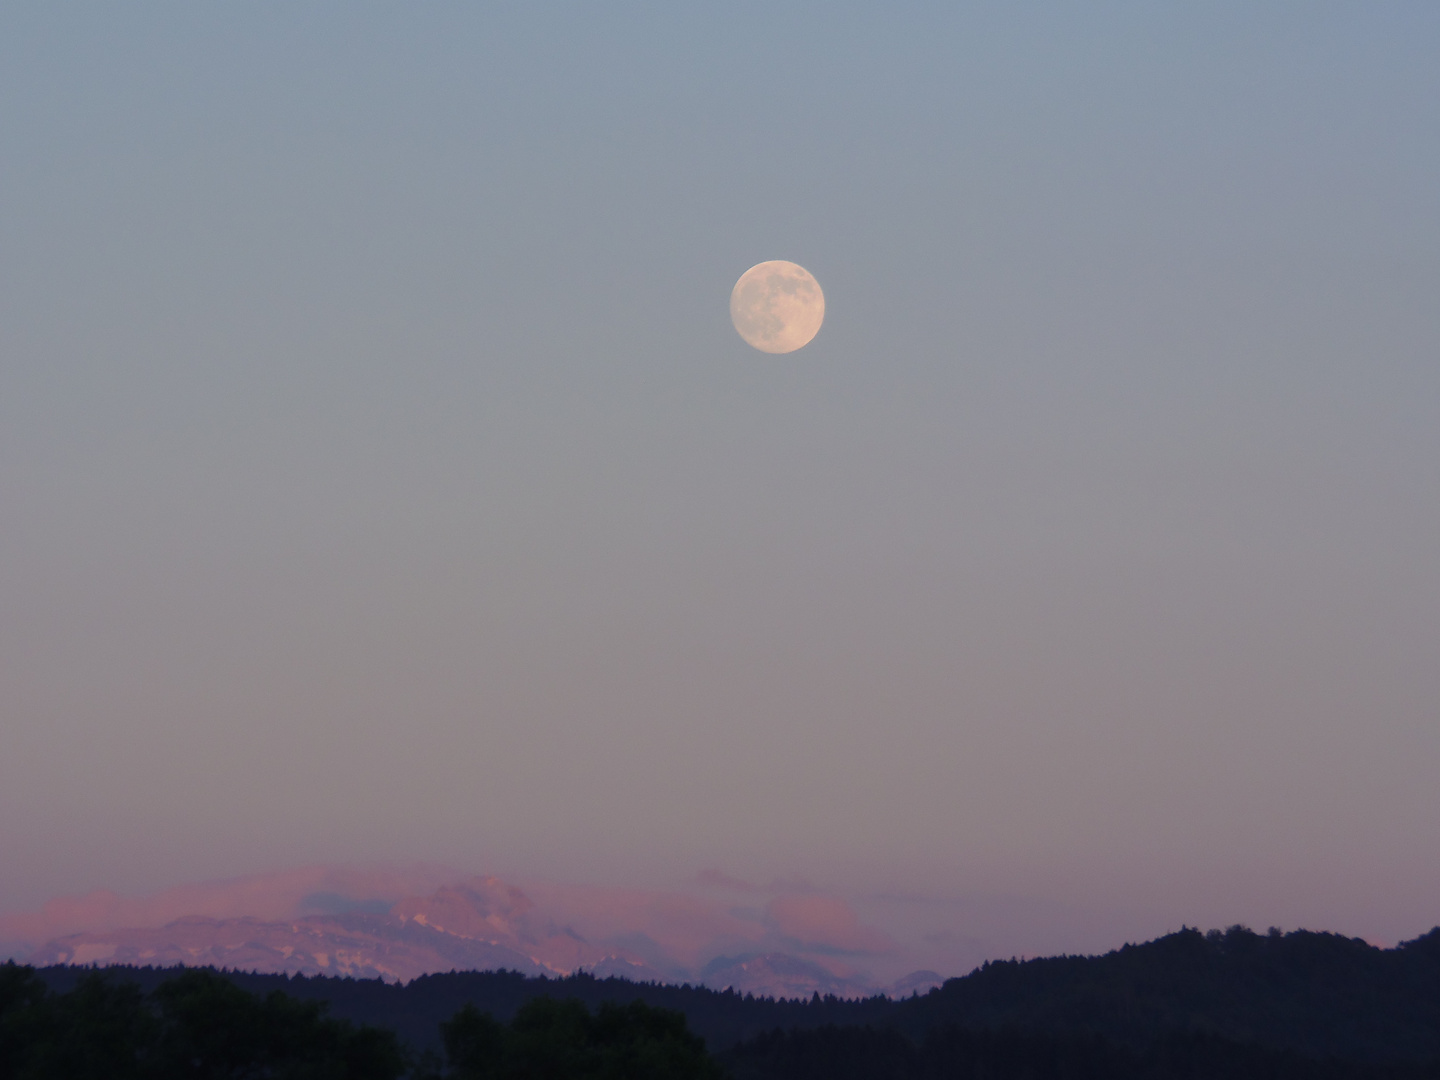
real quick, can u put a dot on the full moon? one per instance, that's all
(777, 306)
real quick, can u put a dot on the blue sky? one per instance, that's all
(380, 475)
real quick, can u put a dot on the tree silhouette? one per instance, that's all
(562, 1040)
(196, 1026)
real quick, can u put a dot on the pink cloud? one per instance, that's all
(824, 922)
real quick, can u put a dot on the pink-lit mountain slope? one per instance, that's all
(480, 923)
(485, 923)
(363, 946)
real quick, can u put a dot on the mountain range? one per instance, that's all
(796, 945)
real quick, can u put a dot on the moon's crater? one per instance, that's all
(777, 306)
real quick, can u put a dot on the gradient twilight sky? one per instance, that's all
(381, 477)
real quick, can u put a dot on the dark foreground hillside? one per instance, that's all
(1311, 996)
(955, 1053)
(198, 1024)
(1321, 994)
(416, 1010)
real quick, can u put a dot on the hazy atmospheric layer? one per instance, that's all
(381, 477)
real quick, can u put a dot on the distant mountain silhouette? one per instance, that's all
(779, 975)
(484, 923)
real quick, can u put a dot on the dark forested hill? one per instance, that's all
(1312, 993)
(1322, 994)
(414, 1011)
(955, 1053)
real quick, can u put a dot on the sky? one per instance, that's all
(381, 477)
